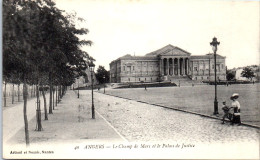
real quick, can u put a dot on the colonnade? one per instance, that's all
(174, 66)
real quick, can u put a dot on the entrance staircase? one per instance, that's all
(182, 80)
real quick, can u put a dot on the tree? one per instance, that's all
(41, 47)
(230, 75)
(101, 73)
(248, 73)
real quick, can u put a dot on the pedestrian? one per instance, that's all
(145, 87)
(236, 105)
(226, 109)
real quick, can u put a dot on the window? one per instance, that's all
(133, 68)
(212, 66)
(195, 68)
(139, 79)
(195, 78)
(151, 79)
(201, 78)
(201, 67)
(145, 79)
(207, 67)
(124, 68)
(128, 68)
(217, 67)
(129, 79)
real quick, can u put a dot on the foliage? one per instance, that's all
(39, 41)
(101, 73)
(230, 75)
(248, 73)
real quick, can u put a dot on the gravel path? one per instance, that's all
(139, 122)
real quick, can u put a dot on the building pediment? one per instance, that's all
(169, 50)
(175, 52)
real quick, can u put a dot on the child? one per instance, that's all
(226, 112)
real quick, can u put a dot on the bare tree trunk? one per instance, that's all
(25, 94)
(13, 95)
(50, 104)
(45, 105)
(53, 89)
(34, 90)
(59, 96)
(19, 92)
(62, 89)
(56, 94)
(5, 95)
(38, 111)
(31, 91)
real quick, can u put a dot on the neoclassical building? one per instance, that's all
(169, 63)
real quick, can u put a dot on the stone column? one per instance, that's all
(178, 64)
(160, 67)
(181, 66)
(184, 66)
(173, 66)
(167, 67)
(192, 68)
(187, 66)
(188, 61)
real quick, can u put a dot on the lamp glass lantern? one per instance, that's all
(214, 44)
(214, 48)
(91, 66)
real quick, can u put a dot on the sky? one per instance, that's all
(137, 27)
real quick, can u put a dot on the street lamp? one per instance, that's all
(214, 45)
(91, 67)
(104, 83)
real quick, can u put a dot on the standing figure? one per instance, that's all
(227, 113)
(236, 105)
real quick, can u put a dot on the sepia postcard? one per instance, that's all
(130, 79)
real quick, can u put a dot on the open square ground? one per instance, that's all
(199, 98)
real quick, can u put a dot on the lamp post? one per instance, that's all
(214, 45)
(91, 67)
(104, 83)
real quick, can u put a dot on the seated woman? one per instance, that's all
(236, 105)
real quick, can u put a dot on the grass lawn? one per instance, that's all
(200, 98)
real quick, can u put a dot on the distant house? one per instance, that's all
(239, 70)
(238, 75)
(84, 81)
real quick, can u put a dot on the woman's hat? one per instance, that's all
(235, 96)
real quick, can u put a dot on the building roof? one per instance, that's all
(169, 50)
(207, 56)
(129, 57)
